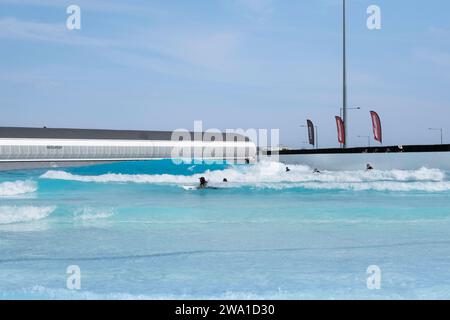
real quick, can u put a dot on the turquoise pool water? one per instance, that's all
(135, 232)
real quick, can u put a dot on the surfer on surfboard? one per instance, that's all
(203, 183)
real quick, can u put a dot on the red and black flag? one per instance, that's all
(340, 129)
(376, 122)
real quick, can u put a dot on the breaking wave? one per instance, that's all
(9, 189)
(15, 214)
(41, 292)
(88, 213)
(273, 175)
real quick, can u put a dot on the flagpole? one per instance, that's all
(344, 72)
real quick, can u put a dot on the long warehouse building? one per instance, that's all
(41, 147)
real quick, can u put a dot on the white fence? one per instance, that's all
(63, 150)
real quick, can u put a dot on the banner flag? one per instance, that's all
(340, 130)
(311, 133)
(376, 122)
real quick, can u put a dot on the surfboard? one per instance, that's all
(189, 188)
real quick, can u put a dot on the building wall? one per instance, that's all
(73, 149)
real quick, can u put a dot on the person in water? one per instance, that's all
(203, 183)
(369, 167)
(287, 169)
(224, 180)
(316, 170)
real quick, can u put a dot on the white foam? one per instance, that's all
(9, 189)
(58, 293)
(15, 214)
(41, 292)
(365, 186)
(274, 175)
(88, 213)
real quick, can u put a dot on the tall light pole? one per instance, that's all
(368, 139)
(342, 111)
(438, 129)
(317, 137)
(344, 72)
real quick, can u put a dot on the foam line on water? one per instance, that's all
(41, 292)
(89, 213)
(15, 188)
(16, 214)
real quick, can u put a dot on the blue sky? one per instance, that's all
(160, 65)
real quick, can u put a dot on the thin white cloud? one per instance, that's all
(34, 79)
(438, 58)
(13, 28)
(97, 5)
(261, 10)
(210, 50)
(441, 34)
(257, 6)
